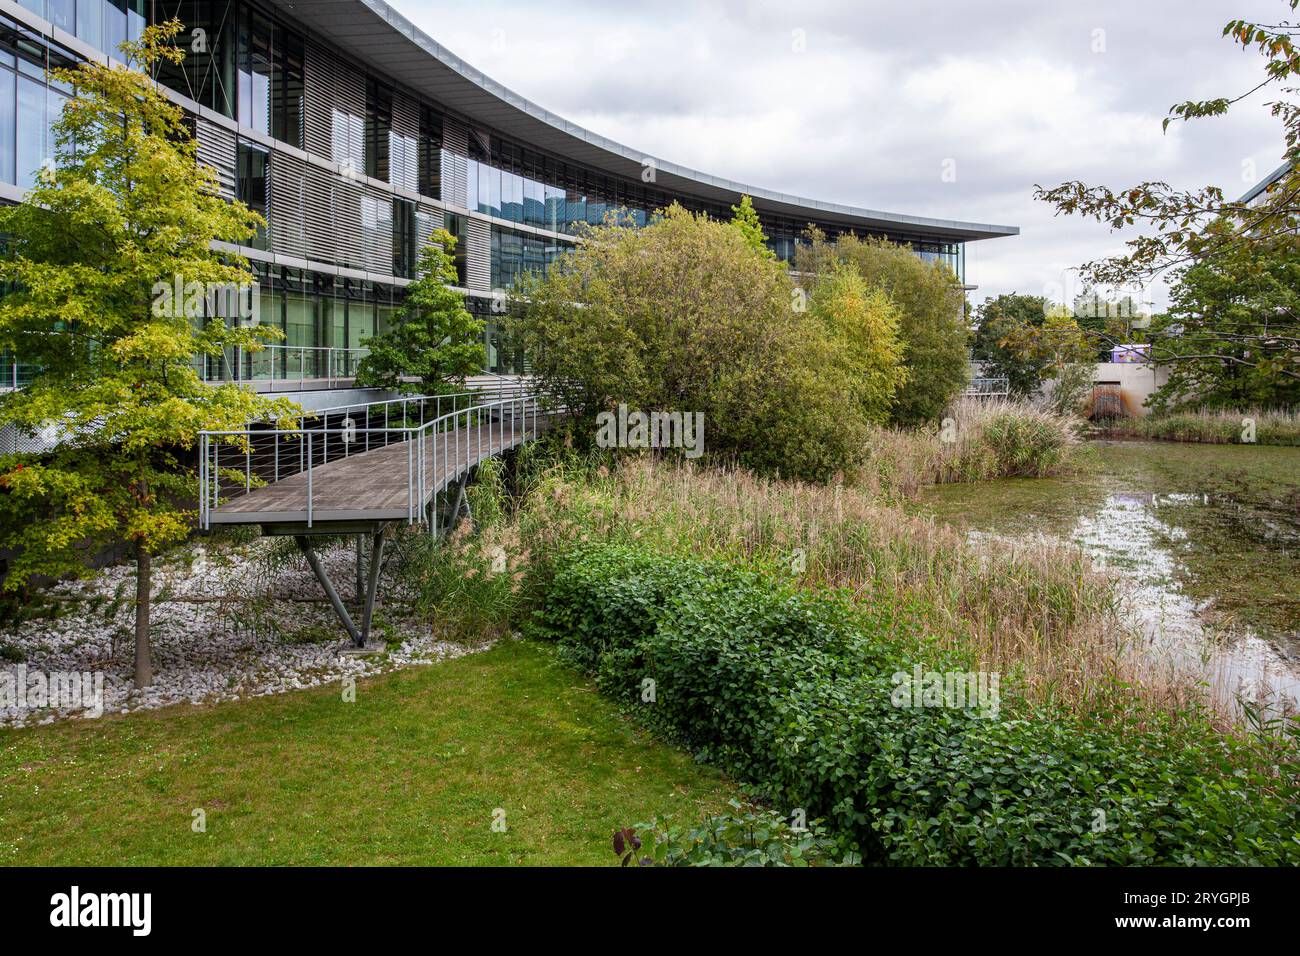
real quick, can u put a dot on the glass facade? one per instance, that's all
(320, 317)
(104, 24)
(514, 184)
(514, 253)
(271, 87)
(216, 72)
(253, 174)
(30, 102)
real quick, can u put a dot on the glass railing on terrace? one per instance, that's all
(282, 366)
(286, 365)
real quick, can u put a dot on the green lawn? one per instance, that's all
(410, 773)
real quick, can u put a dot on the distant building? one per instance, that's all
(1258, 193)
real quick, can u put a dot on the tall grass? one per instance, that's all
(1223, 427)
(1039, 611)
(977, 441)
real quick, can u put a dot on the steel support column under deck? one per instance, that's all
(314, 560)
(359, 636)
(372, 585)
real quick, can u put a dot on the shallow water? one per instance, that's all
(1206, 536)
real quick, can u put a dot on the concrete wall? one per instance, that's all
(1135, 383)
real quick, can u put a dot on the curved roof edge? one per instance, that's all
(375, 33)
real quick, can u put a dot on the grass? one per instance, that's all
(1225, 427)
(411, 773)
(977, 441)
(1036, 609)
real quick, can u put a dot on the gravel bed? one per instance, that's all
(228, 622)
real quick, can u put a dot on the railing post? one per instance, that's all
(309, 487)
(215, 501)
(203, 480)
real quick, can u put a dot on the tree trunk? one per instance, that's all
(143, 583)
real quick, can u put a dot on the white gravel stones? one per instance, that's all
(229, 622)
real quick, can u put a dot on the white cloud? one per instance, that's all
(1011, 90)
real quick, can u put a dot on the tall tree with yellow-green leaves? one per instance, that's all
(125, 212)
(745, 218)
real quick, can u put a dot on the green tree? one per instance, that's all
(1184, 229)
(685, 315)
(863, 324)
(126, 212)
(932, 317)
(1216, 307)
(434, 339)
(997, 321)
(745, 218)
(1030, 342)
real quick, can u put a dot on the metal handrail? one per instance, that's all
(987, 387)
(442, 435)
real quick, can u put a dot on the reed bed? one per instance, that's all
(1222, 427)
(976, 441)
(1038, 611)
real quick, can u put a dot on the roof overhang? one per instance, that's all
(374, 33)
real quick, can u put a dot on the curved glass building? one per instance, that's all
(355, 135)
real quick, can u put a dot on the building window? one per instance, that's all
(208, 74)
(404, 241)
(30, 103)
(456, 226)
(254, 169)
(288, 97)
(256, 61)
(379, 124)
(430, 177)
(270, 78)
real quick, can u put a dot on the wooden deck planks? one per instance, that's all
(371, 482)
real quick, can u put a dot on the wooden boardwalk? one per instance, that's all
(379, 485)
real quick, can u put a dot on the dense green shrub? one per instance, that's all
(748, 836)
(686, 316)
(931, 313)
(791, 692)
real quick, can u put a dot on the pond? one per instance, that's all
(1207, 538)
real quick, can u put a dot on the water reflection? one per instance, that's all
(1206, 537)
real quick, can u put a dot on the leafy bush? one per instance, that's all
(748, 837)
(791, 692)
(686, 316)
(931, 309)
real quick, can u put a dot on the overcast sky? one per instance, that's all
(867, 103)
